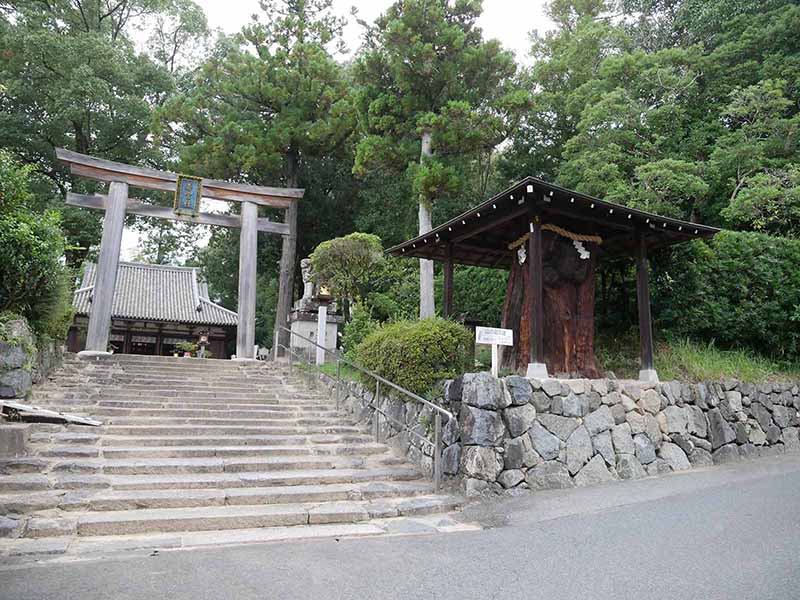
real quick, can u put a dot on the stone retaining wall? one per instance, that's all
(533, 434)
(520, 433)
(21, 362)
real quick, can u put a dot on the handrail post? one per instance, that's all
(375, 401)
(289, 356)
(437, 453)
(338, 381)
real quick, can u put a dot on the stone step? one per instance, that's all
(257, 400)
(213, 518)
(101, 546)
(110, 500)
(264, 479)
(153, 466)
(112, 452)
(206, 430)
(167, 415)
(233, 440)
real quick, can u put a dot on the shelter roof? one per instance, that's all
(156, 293)
(482, 236)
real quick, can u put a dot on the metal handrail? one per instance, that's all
(340, 359)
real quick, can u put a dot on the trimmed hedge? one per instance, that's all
(738, 289)
(416, 354)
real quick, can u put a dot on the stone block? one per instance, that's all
(549, 475)
(598, 421)
(720, 431)
(579, 449)
(481, 427)
(650, 402)
(780, 414)
(13, 439)
(602, 445)
(518, 419)
(511, 478)
(451, 457)
(560, 426)
(644, 449)
(553, 387)
(12, 356)
(674, 456)
(701, 458)
(519, 453)
(544, 442)
(575, 406)
(622, 439)
(618, 414)
(675, 419)
(520, 390)
(484, 391)
(479, 462)
(726, 454)
(540, 401)
(593, 473)
(629, 467)
(15, 384)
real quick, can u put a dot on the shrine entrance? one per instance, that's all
(552, 239)
(189, 191)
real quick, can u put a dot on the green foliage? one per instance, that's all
(347, 264)
(739, 289)
(683, 359)
(479, 294)
(33, 281)
(360, 326)
(415, 354)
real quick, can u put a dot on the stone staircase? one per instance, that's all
(213, 451)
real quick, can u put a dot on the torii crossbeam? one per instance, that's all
(116, 204)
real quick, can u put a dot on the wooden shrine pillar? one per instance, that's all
(536, 367)
(647, 372)
(106, 274)
(248, 252)
(286, 280)
(447, 288)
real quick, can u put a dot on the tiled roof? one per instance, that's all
(156, 293)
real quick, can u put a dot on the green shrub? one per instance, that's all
(415, 354)
(361, 324)
(33, 279)
(738, 289)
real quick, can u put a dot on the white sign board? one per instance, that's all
(494, 336)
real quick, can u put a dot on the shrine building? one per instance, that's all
(155, 307)
(551, 239)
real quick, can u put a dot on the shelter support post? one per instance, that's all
(248, 250)
(106, 276)
(647, 372)
(447, 289)
(537, 368)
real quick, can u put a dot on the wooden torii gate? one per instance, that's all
(116, 204)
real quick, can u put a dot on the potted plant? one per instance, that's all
(188, 348)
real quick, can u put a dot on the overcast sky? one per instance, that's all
(509, 21)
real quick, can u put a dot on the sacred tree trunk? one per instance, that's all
(569, 283)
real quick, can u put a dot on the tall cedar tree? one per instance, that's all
(432, 92)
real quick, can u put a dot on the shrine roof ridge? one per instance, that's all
(505, 215)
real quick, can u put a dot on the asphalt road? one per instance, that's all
(722, 533)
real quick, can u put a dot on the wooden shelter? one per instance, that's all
(551, 239)
(188, 194)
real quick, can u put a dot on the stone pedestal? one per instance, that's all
(303, 322)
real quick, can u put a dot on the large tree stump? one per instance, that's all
(569, 284)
